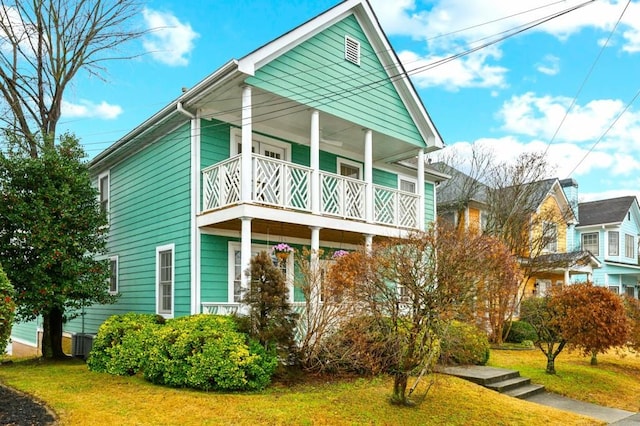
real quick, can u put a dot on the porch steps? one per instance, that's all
(507, 382)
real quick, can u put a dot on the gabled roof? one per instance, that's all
(601, 212)
(449, 191)
(233, 74)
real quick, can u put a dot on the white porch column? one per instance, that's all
(245, 251)
(315, 265)
(195, 208)
(315, 161)
(368, 243)
(368, 175)
(567, 278)
(421, 211)
(245, 160)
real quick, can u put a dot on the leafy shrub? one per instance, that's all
(122, 343)
(7, 309)
(464, 344)
(207, 352)
(520, 331)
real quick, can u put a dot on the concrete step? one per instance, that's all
(525, 391)
(481, 375)
(509, 384)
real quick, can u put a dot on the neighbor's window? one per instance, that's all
(165, 279)
(550, 236)
(629, 246)
(113, 275)
(631, 291)
(590, 242)
(615, 289)
(614, 243)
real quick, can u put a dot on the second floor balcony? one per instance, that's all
(285, 185)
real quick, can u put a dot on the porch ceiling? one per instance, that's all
(289, 120)
(290, 230)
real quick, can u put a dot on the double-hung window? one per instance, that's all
(591, 242)
(550, 236)
(629, 246)
(165, 279)
(104, 189)
(614, 243)
(113, 275)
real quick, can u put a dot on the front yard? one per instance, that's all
(82, 397)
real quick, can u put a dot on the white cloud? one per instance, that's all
(469, 71)
(550, 65)
(88, 109)
(536, 116)
(169, 41)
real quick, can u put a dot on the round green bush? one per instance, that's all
(519, 332)
(464, 344)
(7, 309)
(122, 343)
(207, 352)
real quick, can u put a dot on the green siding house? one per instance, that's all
(303, 141)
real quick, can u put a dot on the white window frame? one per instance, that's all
(582, 245)
(615, 252)
(629, 246)
(256, 140)
(414, 181)
(102, 176)
(115, 259)
(159, 250)
(615, 289)
(340, 161)
(233, 247)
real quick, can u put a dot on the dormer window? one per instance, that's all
(352, 50)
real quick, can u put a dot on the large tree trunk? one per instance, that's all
(594, 358)
(400, 389)
(52, 335)
(551, 364)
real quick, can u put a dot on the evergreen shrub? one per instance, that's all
(520, 331)
(464, 344)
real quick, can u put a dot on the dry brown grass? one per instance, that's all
(81, 397)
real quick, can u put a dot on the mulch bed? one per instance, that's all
(18, 409)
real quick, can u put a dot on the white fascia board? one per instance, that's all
(401, 82)
(217, 77)
(263, 55)
(298, 218)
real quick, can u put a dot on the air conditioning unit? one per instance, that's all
(81, 345)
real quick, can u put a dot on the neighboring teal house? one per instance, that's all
(298, 142)
(609, 229)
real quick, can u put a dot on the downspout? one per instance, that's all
(194, 232)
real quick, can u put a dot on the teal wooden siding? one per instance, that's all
(384, 178)
(315, 73)
(214, 267)
(25, 332)
(149, 207)
(214, 142)
(429, 203)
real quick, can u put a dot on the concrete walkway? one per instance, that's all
(486, 376)
(606, 414)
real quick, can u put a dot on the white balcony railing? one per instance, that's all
(220, 308)
(393, 207)
(282, 184)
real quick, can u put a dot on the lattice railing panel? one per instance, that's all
(331, 187)
(384, 205)
(221, 184)
(268, 178)
(298, 194)
(354, 193)
(408, 210)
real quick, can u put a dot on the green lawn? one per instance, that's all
(81, 397)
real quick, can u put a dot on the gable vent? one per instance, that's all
(352, 50)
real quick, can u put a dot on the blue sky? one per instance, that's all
(511, 96)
